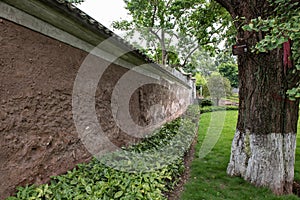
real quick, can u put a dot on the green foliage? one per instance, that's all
(95, 180)
(205, 102)
(217, 108)
(230, 71)
(208, 178)
(225, 56)
(297, 157)
(204, 62)
(200, 83)
(218, 86)
(202, 19)
(284, 24)
(205, 91)
(233, 98)
(175, 27)
(294, 93)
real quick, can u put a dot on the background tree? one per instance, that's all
(218, 86)
(203, 62)
(263, 148)
(225, 56)
(201, 84)
(230, 71)
(175, 25)
(200, 80)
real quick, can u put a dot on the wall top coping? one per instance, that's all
(63, 21)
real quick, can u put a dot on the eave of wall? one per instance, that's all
(66, 23)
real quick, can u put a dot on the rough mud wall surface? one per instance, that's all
(38, 139)
(38, 135)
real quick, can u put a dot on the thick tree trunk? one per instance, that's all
(263, 148)
(264, 160)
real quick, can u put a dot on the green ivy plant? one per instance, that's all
(96, 180)
(282, 26)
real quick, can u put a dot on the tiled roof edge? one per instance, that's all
(94, 24)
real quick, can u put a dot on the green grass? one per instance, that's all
(208, 175)
(297, 162)
(233, 98)
(217, 108)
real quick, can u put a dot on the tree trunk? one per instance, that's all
(264, 160)
(263, 148)
(164, 53)
(217, 101)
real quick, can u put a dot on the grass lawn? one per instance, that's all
(208, 175)
(233, 98)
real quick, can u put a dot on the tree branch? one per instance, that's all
(168, 3)
(155, 34)
(189, 55)
(153, 16)
(228, 5)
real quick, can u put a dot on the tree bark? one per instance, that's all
(263, 148)
(218, 101)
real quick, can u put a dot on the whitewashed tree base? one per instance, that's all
(264, 160)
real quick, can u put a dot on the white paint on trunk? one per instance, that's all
(238, 159)
(264, 160)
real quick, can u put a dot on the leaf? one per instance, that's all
(118, 194)
(281, 40)
(146, 187)
(247, 28)
(88, 189)
(251, 26)
(73, 182)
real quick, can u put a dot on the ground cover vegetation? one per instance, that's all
(98, 179)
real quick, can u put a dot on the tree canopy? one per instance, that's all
(180, 27)
(218, 86)
(201, 23)
(230, 71)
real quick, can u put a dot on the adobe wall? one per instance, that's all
(38, 136)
